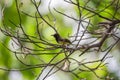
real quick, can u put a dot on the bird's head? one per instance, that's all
(56, 35)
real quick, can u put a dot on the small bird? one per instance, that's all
(61, 40)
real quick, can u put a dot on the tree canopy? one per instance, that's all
(59, 40)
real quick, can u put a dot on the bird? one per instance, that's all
(61, 40)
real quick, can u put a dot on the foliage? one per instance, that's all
(28, 47)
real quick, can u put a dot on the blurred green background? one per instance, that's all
(65, 27)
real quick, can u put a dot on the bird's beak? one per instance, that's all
(52, 35)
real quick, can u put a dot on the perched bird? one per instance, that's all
(61, 40)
